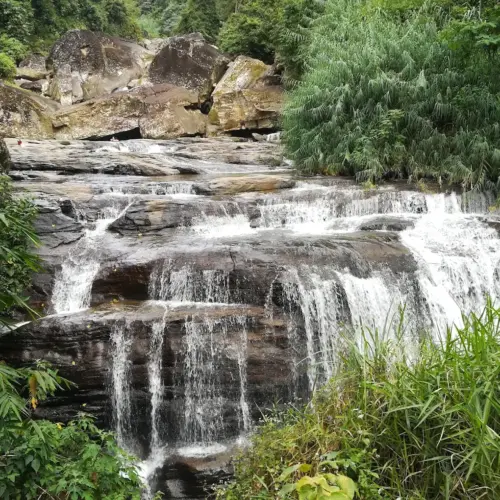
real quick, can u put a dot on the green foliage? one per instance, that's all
(41, 459)
(29, 24)
(385, 97)
(199, 16)
(252, 29)
(7, 67)
(295, 35)
(17, 240)
(415, 420)
(12, 47)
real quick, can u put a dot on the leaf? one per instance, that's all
(35, 464)
(289, 471)
(347, 485)
(287, 488)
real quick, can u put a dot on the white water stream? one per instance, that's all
(73, 283)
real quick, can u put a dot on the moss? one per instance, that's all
(213, 117)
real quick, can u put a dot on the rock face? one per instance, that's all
(88, 65)
(24, 114)
(5, 162)
(190, 62)
(247, 97)
(158, 112)
(38, 86)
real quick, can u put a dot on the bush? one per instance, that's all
(7, 67)
(422, 425)
(12, 47)
(386, 98)
(42, 459)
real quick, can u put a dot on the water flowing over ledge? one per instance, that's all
(181, 315)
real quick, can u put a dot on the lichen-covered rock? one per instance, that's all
(87, 65)
(189, 61)
(31, 74)
(5, 163)
(247, 97)
(24, 114)
(35, 62)
(158, 111)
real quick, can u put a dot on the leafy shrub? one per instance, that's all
(386, 98)
(42, 459)
(252, 29)
(17, 240)
(294, 37)
(13, 48)
(7, 67)
(419, 426)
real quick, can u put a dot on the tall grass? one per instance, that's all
(424, 427)
(384, 97)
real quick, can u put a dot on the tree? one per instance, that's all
(199, 16)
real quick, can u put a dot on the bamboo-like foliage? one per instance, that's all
(386, 98)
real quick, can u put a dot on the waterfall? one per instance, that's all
(155, 358)
(73, 283)
(458, 258)
(121, 342)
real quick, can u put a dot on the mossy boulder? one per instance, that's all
(247, 97)
(24, 114)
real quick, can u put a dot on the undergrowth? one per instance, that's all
(397, 425)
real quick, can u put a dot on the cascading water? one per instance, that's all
(458, 257)
(210, 399)
(73, 283)
(121, 342)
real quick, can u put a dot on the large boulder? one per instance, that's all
(159, 112)
(190, 62)
(248, 96)
(24, 114)
(87, 65)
